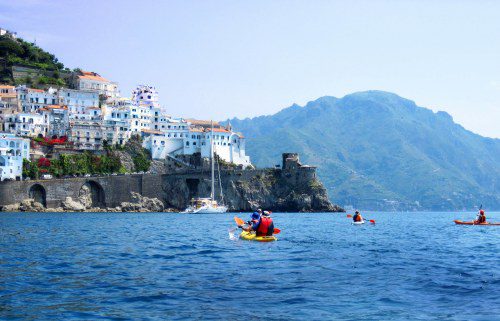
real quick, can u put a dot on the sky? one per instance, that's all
(223, 59)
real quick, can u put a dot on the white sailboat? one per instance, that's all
(208, 205)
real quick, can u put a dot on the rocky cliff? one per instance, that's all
(292, 188)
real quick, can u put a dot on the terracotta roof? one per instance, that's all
(94, 108)
(6, 87)
(56, 107)
(196, 130)
(36, 90)
(92, 76)
(217, 130)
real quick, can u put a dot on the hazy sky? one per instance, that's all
(219, 59)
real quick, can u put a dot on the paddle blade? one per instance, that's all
(276, 231)
(349, 215)
(239, 221)
(372, 221)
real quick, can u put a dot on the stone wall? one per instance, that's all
(294, 188)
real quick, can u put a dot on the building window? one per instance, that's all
(187, 143)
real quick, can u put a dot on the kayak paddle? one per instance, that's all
(240, 222)
(349, 215)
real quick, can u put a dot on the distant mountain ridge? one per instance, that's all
(377, 150)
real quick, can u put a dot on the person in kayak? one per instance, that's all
(357, 217)
(481, 217)
(262, 224)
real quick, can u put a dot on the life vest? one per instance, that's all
(358, 218)
(481, 219)
(266, 227)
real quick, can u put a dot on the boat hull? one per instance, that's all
(207, 210)
(458, 222)
(252, 237)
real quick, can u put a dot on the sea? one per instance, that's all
(168, 266)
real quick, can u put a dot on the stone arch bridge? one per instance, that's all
(104, 191)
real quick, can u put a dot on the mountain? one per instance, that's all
(376, 150)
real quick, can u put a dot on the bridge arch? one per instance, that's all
(93, 192)
(38, 193)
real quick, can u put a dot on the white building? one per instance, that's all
(146, 96)
(31, 100)
(8, 103)
(26, 124)
(92, 81)
(57, 119)
(185, 138)
(78, 102)
(12, 151)
(86, 135)
(5, 32)
(116, 132)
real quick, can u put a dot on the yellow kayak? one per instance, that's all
(252, 237)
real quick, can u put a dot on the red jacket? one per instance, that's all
(266, 226)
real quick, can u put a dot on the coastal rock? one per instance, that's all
(157, 167)
(26, 205)
(11, 208)
(72, 206)
(273, 189)
(55, 210)
(29, 205)
(85, 196)
(126, 160)
(142, 204)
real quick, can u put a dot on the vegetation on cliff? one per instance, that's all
(19, 52)
(380, 151)
(77, 164)
(89, 163)
(133, 150)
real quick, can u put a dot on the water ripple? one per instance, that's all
(145, 266)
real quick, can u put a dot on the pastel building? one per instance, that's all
(12, 151)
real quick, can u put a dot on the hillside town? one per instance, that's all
(91, 114)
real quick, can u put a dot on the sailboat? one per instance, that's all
(208, 205)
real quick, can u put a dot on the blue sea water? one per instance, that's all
(157, 266)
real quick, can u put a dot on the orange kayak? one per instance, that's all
(472, 223)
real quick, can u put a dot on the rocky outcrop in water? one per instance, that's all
(294, 188)
(84, 204)
(142, 204)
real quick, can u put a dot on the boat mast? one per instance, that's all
(212, 159)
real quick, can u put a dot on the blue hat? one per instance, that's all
(255, 216)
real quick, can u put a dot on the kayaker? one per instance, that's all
(262, 224)
(481, 218)
(357, 217)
